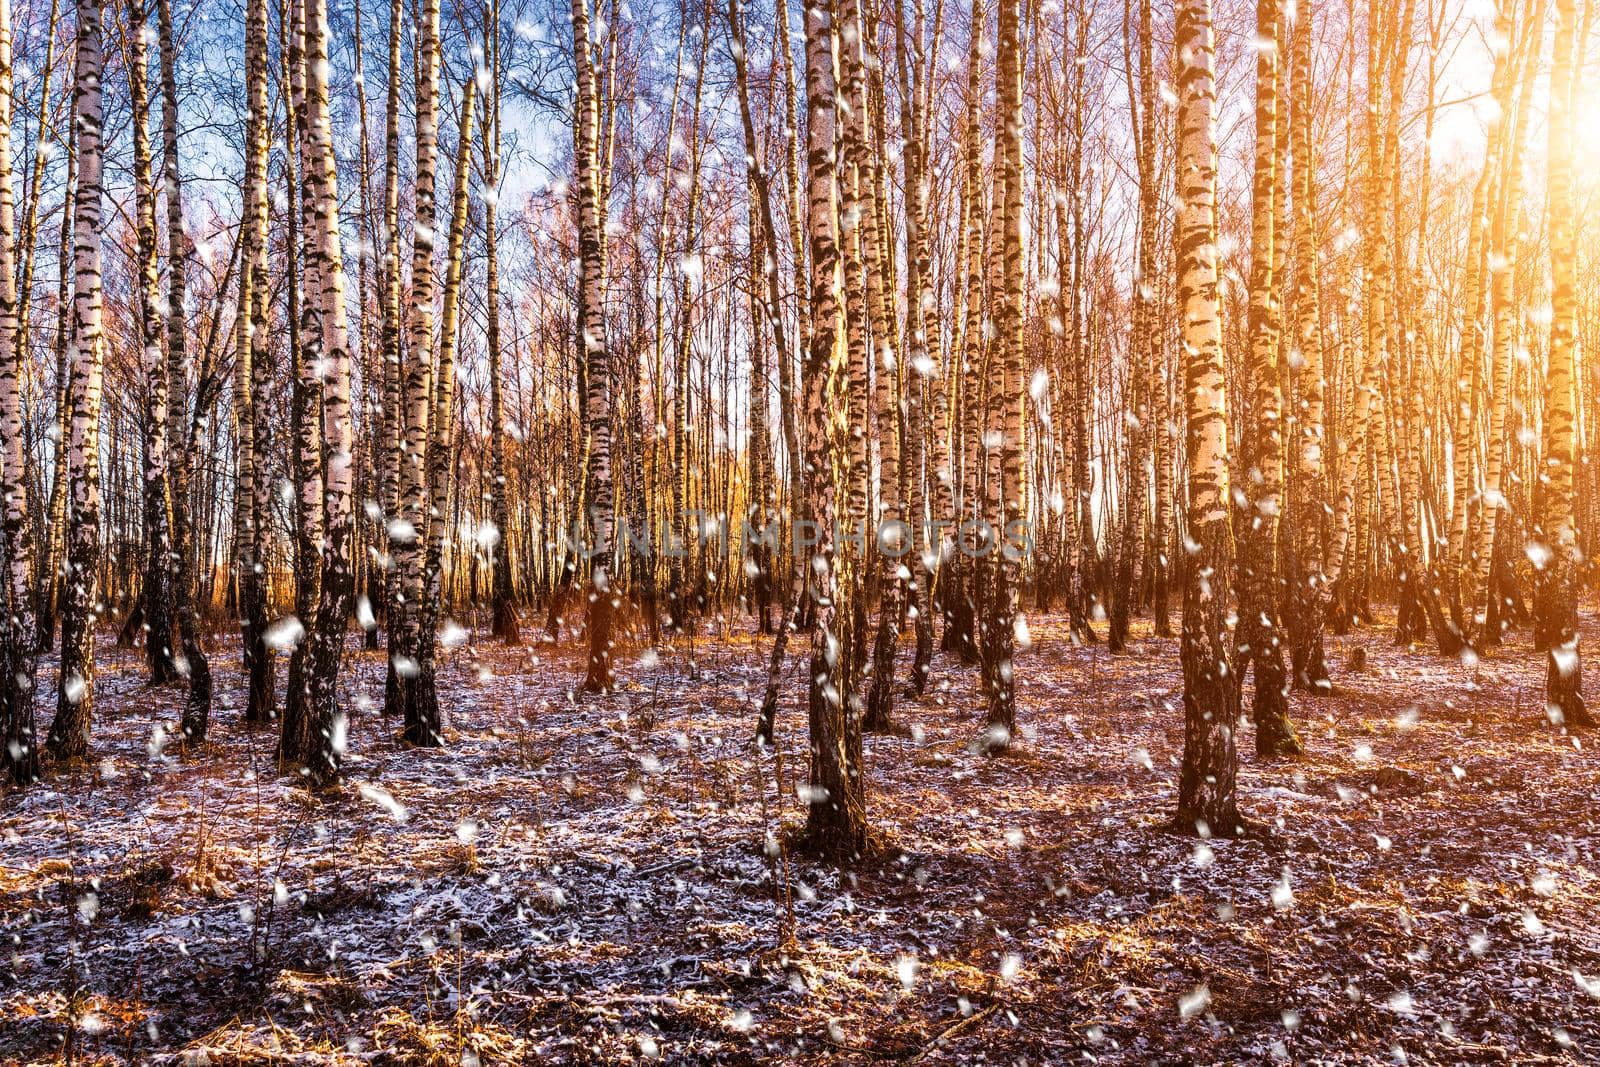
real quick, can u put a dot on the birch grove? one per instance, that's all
(870, 340)
(543, 531)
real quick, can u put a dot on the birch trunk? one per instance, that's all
(50, 575)
(960, 598)
(1142, 350)
(182, 428)
(408, 529)
(295, 740)
(156, 596)
(1557, 619)
(393, 384)
(253, 380)
(1470, 374)
(69, 730)
(1259, 638)
(836, 822)
(324, 732)
(1207, 799)
(1306, 589)
(1163, 415)
(18, 752)
(1004, 558)
(599, 677)
(1503, 262)
(773, 305)
(441, 446)
(503, 596)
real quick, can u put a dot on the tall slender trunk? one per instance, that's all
(1386, 317)
(1004, 558)
(599, 677)
(1162, 415)
(1142, 348)
(685, 586)
(1557, 608)
(408, 529)
(837, 818)
(773, 307)
(894, 541)
(183, 430)
(960, 598)
(18, 752)
(1470, 374)
(502, 595)
(1305, 591)
(1207, 798)
(157, 593)
(859, 237)
(1087, 592)
(369, 570)
(441, 430)
(253, 380)
(1260, 641)
(69, 730)
(856, 214)
(1503, 263)
(305, 337)
(51, 578)
(927, 451)
(324, 732)
(393, 383)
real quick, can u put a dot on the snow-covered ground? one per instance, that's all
(605, 880)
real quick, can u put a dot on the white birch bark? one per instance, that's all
(18, 754)
(69, 731)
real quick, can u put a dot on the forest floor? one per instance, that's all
(586, 882)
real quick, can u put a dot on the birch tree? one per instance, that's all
(408, 529)
(182, 425)
(1305, 601)
(836, 821)
(69, 730)
(18, 751)
(603, 599)
(503, 607)
(1000, 624)
(1260, 640)
(1557, 622)
(1207, 799)
(252, 379)
(1504, 247)
(318, 747)
(157, 599)
(425, 715)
